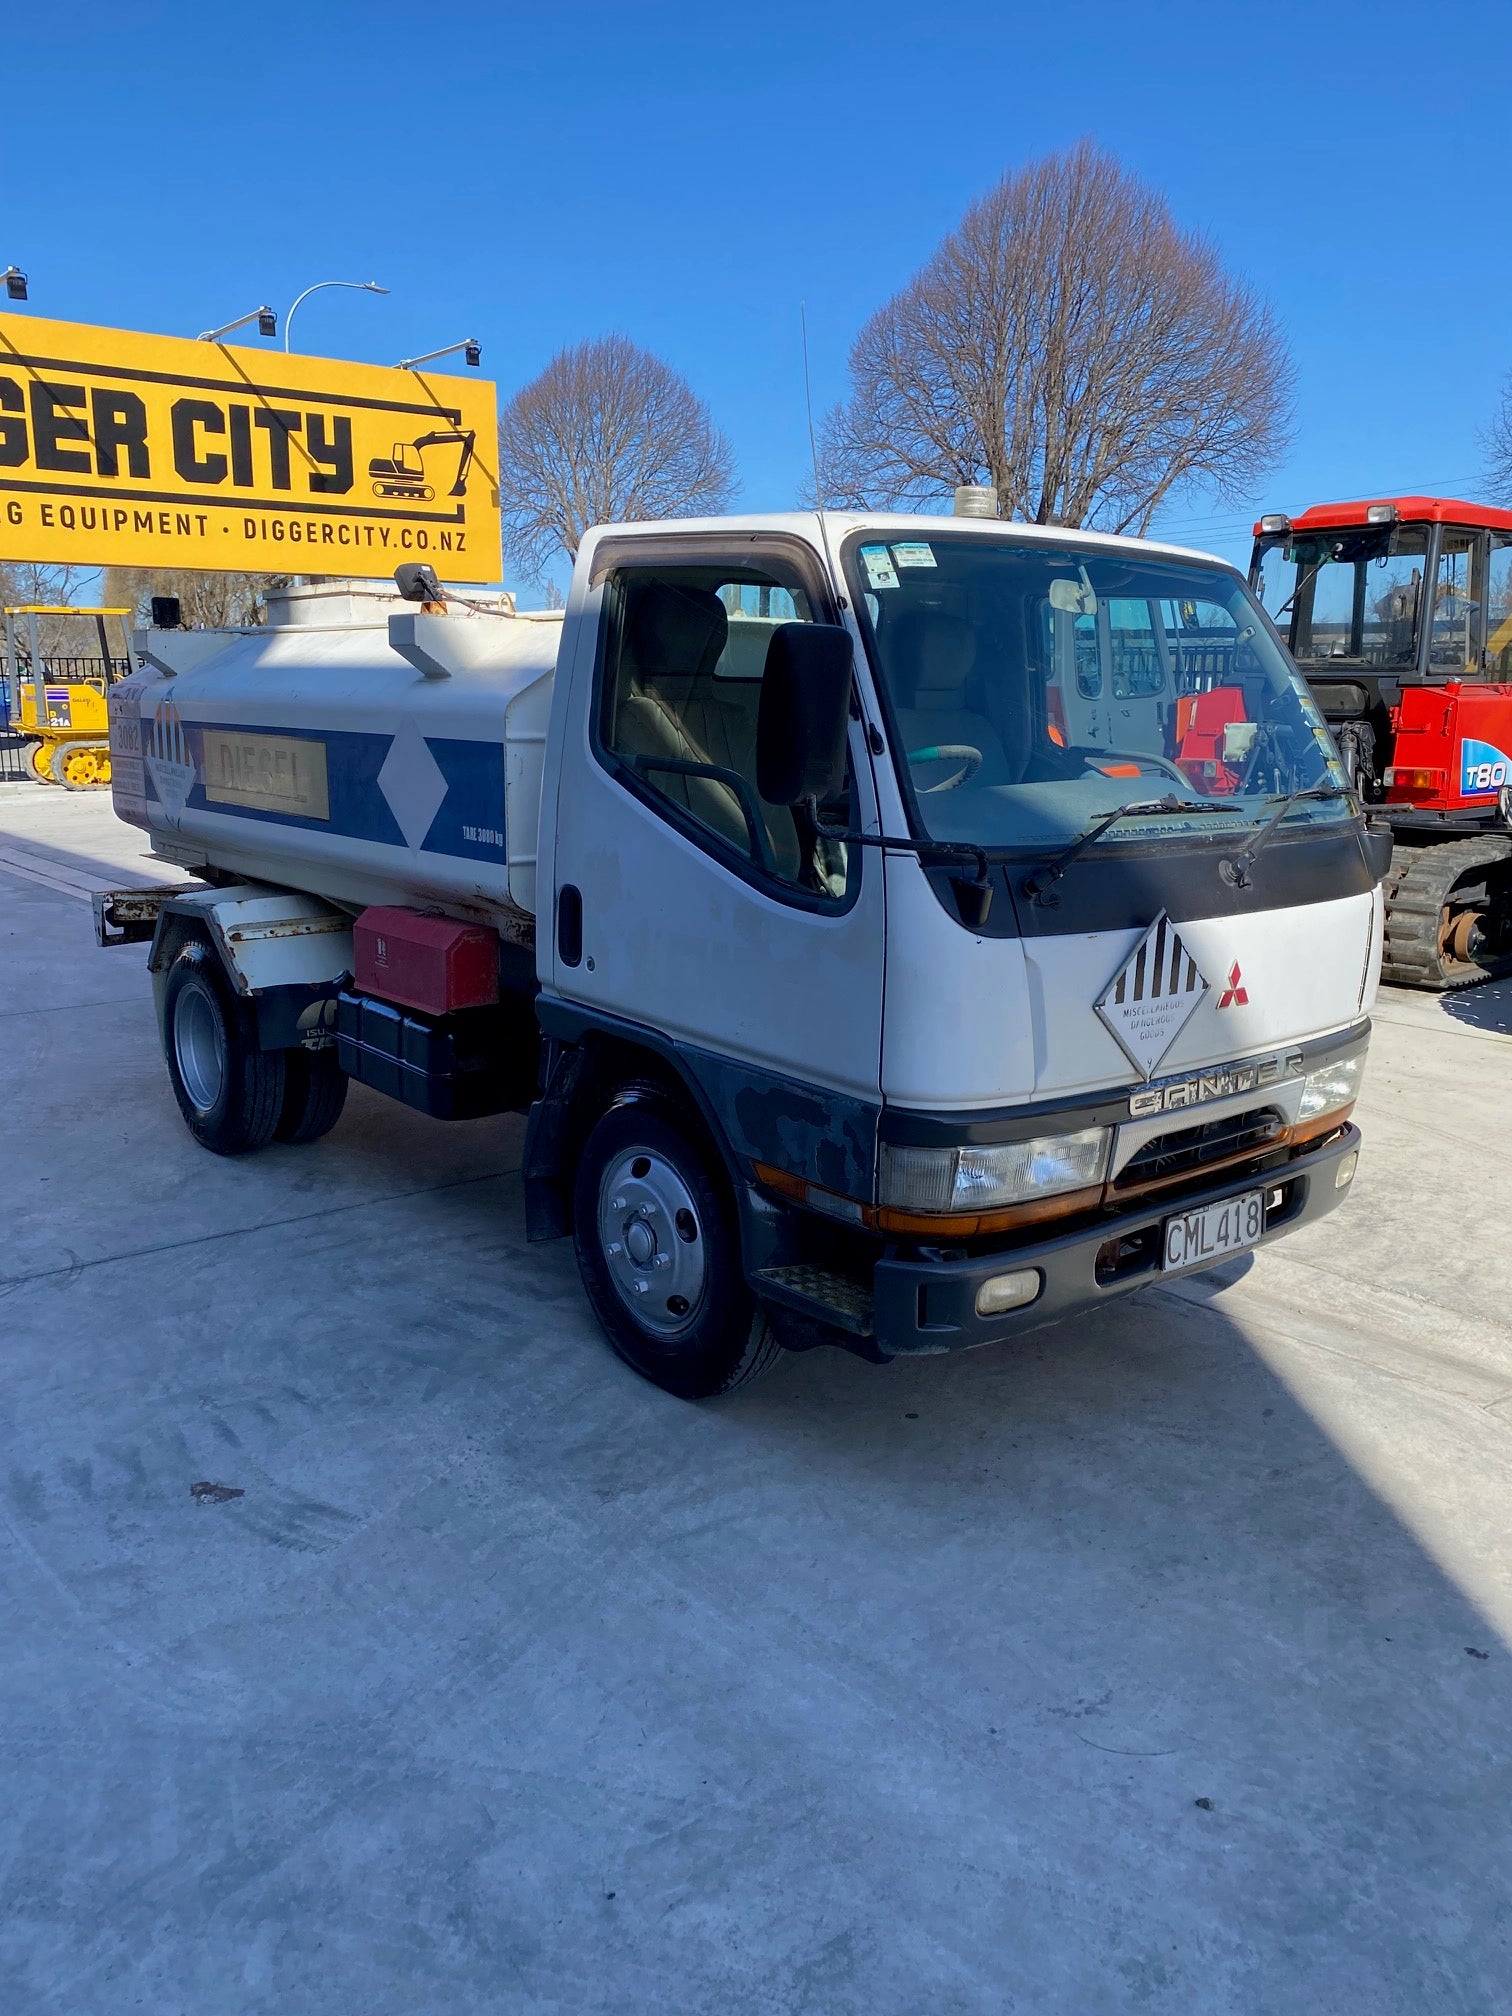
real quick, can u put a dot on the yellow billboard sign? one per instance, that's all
(126, 450)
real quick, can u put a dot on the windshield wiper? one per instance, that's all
(1037, 886)
(1302, 581)
(974, 895)
(1235, 868)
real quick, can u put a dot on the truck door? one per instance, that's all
(707, 914)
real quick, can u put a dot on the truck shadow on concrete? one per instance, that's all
(1056, 1596)
(1084, 1673)
(1487, 1007)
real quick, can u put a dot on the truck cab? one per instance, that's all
(936, 927)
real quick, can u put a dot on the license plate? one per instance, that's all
(1230, 1227)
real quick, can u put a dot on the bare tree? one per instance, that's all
(606, 433)
(1497, 443)
(207, 601)
(25, 584)
(1069, 346)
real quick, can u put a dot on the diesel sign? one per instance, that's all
(131, 450)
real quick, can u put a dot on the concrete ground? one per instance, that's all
(1159, 1663)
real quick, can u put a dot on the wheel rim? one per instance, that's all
(199, 1045)
(652, 1239)
(83, 767)
(1461, 936)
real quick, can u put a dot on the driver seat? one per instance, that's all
(930, 656)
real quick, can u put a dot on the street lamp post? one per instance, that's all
(264, 317)
(470, 346)
(362, 287)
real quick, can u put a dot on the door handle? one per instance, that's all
(569, 924)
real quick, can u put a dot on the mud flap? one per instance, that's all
(550, 1137)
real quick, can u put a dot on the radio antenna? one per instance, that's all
(808, 403)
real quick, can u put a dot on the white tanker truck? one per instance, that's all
(901, 931)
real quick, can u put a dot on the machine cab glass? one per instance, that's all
(1426, 600)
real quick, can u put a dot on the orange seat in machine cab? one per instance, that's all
(1204, 748)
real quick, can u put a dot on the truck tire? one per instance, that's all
(659, 1252)
(229, 1091)
(315, 1089)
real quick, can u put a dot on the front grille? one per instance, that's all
(1188, 1150)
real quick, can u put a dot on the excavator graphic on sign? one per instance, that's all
(404, 475)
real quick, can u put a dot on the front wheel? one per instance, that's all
(659, 1252)
(229, 1091)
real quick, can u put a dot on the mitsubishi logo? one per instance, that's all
(1235, 994)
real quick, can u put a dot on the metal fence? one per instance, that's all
(16, 672)
(15, 754)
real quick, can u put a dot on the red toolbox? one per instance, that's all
(427, 962)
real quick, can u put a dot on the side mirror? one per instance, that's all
(805, 706)
(1378, 845)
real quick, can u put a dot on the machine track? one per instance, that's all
(1447, 917)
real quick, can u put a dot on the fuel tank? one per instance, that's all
(357, 747)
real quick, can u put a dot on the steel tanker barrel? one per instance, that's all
(357, 747)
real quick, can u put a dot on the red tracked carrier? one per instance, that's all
(1398, 612)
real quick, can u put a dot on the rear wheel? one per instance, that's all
(659, 1251)
(315, 1089)
(229, 1091)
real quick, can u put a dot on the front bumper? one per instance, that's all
(922, 1306)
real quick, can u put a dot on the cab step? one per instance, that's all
(821, 1294)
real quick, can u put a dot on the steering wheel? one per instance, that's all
(1144, 759)
(968, 759)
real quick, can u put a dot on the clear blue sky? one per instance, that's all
(687, 174)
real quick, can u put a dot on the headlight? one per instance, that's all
(958, 1180)
(1332, 1085)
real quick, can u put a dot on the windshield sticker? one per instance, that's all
(879, 567)
(918, 555)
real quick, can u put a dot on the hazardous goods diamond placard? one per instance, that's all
(122, 449)
(1152, 996)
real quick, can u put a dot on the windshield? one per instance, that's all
(1034, 689)
(1353, 594)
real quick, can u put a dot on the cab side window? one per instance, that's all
(685, 657)
(1499, 608)
(1137, 668)
(1454, 626)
